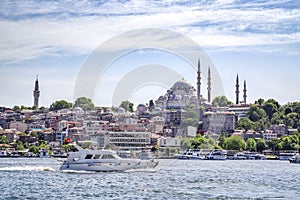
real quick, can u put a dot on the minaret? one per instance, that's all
(237, 90)
(36, 92)
(209, 86)
(199, 83)
(245, 92)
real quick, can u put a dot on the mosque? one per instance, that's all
(182, 94)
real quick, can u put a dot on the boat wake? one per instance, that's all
(27, 168)
(77, 171)
(151, 170)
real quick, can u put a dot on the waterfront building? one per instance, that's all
(130, 140)
(168, 142)
(280, 129)
(269, 135)
(218, 122)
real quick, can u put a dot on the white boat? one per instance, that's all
(191, 154)
(103, 161)
(295, 159)
(217, 155)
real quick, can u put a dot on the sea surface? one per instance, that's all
(37, 178)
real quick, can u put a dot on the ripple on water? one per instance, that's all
(172, 179)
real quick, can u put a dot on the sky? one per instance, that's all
(258, 40)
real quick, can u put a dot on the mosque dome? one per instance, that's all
(182, 84)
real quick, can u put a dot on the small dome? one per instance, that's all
(78, 110)
(121, 110)
(178, 97)
(161, 98)
(157, 109)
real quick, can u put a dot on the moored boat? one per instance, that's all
(295, 159)
(217, 155)
(191, 154)
(103, 161)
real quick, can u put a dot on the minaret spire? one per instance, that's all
(237, 89)
(245, 92)
(36, 92)
(209, 86)
(199, 83)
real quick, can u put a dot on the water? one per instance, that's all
(35, 178)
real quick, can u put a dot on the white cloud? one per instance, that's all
(30, 30)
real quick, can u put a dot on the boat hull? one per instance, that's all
(109, 167)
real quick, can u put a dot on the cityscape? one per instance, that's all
(147, 99)
(167, 126)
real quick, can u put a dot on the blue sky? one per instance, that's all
(259, 40)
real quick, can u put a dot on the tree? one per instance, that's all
(197, 142)
(245, 124)
(251, 144)
(61, 104)
(260, 101)
(261, 145)
(16, 108)
(271, 106)
(3, 139)
(127, 106)
(235, 143)
(34, 134)
(85, 103)
(255, 113)
(221, 101)
(290, 142)
(222, 140)
(273, 144)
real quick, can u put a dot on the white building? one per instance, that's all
(168, 142)
(95, 127)
(269, 135)
(128, 140)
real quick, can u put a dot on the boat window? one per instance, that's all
(89, 156)
(107, 156)
(97, 156)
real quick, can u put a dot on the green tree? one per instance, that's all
(85, 103)
(61, 104)
(251, 144)
(197, 142)
(186, 143)
(260, 101)
(34, 134)
(290, 142)
(127, 106)
(261, 145)
(235, 143)
(255, 113)
(222, 140)
(34, 149)
(271, 106)
(16, 108)
(3, 139)
(245, 124)
(20, 147)
(221, 101)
